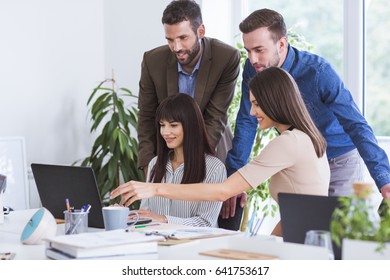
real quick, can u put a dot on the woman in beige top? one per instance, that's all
(296, 160)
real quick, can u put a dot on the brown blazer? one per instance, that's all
(214, 90)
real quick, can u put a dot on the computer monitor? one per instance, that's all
(300, 213)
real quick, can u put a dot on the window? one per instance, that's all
(320, 22)
(377, 66)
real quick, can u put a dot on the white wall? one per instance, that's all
(221, 19)
(52, 55)
(54, 52)
(131, 28)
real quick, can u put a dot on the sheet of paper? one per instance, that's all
(193, 232)
(103, 238)
(237, 255)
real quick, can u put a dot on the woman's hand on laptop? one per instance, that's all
(132, 191)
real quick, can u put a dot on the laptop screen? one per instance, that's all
(56, 183)
(300, 213)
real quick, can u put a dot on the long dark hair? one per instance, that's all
(278, 96)
(182, 108)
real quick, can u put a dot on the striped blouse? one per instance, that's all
(190, 213)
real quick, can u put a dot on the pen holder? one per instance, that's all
(76, 222)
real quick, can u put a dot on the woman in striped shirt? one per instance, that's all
(184, 155)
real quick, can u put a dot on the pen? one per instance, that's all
(144, 226)
(85, 208)
(67, 205)
(257, 226)
(250, 224)
(73, 228)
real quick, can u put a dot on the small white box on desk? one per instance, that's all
(363, 250)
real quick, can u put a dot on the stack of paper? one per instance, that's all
(115, 244)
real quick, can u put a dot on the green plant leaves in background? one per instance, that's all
(114, 153)
(352, 220)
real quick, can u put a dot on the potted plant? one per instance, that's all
(359, 228)
(114, 153)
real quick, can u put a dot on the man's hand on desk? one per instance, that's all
(229, 206)
(385, 191)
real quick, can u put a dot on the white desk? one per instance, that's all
(10, 233)
(14, 223)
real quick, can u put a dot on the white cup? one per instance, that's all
(117, 217)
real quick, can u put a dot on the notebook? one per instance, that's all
(104, 243)
(55, 183)
(300, 213)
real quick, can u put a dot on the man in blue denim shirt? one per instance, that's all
(329, 103)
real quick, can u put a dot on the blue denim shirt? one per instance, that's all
(331, 107)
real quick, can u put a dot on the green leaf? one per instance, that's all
(85, 162)
(100, 107)
(125, 169)
(114, 151)
(98, 121)
(95, 91)
(121, 114)
(113, 142)
(114, 123)
(107, 88)
(128, 91)
(97, 144)
(106, 187)
(99, 101)
(132, 118)
(122, 142)
(117, 151)
(112, 169)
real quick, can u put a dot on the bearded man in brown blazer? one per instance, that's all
(205, 68)
(210, 65)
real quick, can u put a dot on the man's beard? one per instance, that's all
(273, 62)
(192, 53)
